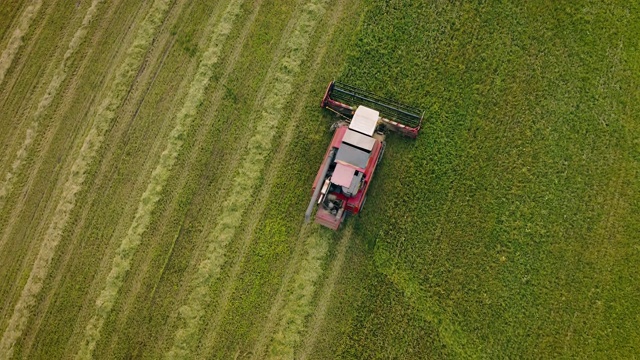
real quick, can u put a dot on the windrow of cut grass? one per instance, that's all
(152, 267)
(128, 246)
(275, 248)
(29, 210)
(22, 99)
(27, 77)
(298, 304)
(104, 116)
(43, 105)
(9, 14)
(291, 133)
(31, 206)
(191, 203)
(317, 321)
(15, 42)
(235, 205)
(109, 202)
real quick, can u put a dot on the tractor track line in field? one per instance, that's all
(216, 98)
(270, 323)
(93, 140)
(15, 42)
(48, 197)
(52, 90)
(44, 198)
(299, 296)
(14, 74)
(317, 319)
(232, 164)
(106, 171)
(14, 78)
(252, 166)
(60, 71)
(184, 118)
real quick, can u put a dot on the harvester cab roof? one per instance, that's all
(356, 149)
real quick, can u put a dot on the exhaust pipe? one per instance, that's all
(316, 192)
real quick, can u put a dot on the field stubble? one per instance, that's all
(129, 244)
(92, 142)
(176, 224)
(15, 41)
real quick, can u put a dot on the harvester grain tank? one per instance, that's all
(356, 149)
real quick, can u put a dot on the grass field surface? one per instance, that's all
(157, 158)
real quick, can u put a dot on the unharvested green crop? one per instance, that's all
(506, 223)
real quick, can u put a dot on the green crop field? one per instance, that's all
(158, 156)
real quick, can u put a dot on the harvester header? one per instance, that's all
(344, 99)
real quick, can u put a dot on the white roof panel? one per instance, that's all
(365, 120)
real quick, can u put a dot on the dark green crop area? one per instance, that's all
(511, 227)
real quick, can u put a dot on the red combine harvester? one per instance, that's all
(355, 150)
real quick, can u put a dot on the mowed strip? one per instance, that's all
(186, 338)
(52, 90)
(146, 309)
(31, 206)
(119, 176)
(206, 120)
(101, 123)
(275, 168)
(15, 42)
(317, 319)
(129, 245)
(299, 298)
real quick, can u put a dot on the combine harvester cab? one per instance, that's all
(357, 146)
